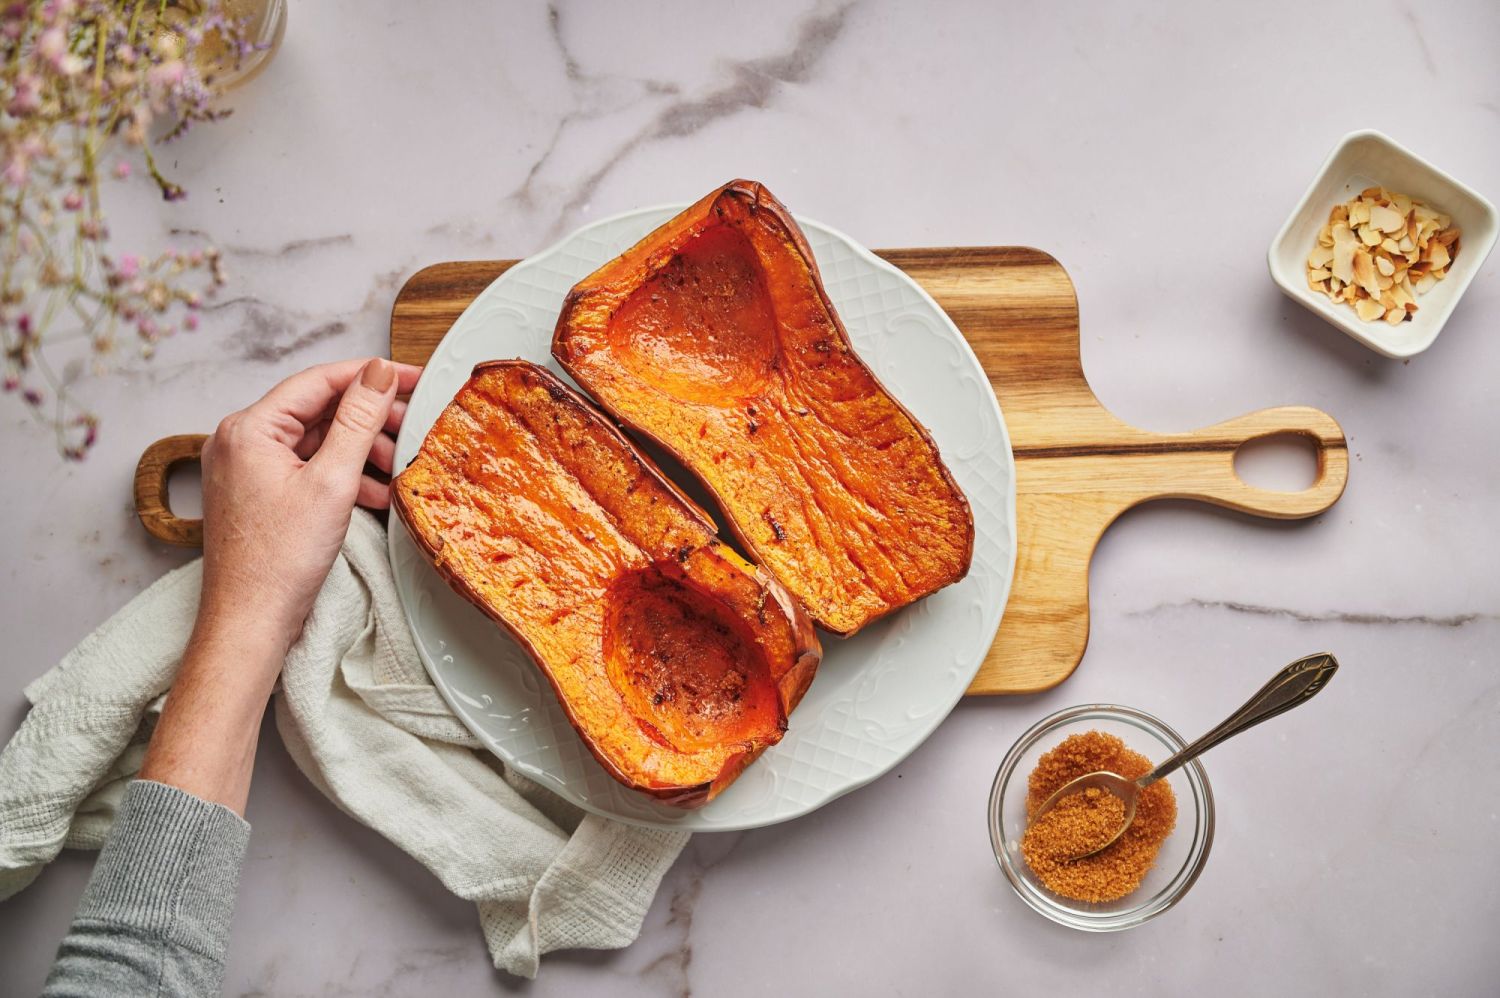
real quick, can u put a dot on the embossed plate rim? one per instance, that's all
(782, 804)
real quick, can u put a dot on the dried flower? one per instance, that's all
(82, 81)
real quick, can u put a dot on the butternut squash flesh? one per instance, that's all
(714, 337)
(676, 661)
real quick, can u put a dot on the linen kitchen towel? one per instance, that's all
(363, 722)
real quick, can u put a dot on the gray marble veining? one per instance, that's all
(750, 83)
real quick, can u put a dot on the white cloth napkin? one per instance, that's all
(359, 715)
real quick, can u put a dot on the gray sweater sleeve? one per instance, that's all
(155, 917)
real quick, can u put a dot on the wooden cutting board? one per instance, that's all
(1078, 467)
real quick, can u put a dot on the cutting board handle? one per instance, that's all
(1210, 474)
(152, 499)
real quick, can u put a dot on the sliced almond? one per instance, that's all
(1344, 243)
(1364, 273)
(1379, 251)
(1386, 219)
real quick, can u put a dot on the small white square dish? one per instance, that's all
(1369, 159)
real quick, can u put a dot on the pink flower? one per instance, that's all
(122, 170)
(17, 18)
(167, 74)
(52, 44)
(190, 322)
(16, 171)
(72, 201)
(27, 97)
(130, 265)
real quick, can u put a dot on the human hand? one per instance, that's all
(280, 480)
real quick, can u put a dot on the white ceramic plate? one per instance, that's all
(877, 695)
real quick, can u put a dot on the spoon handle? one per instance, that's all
(1293, 685)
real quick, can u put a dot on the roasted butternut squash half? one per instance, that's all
(676, 660)
(714, 337)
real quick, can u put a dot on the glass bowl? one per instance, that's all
(1182, 855)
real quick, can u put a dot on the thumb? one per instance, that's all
(358, 420)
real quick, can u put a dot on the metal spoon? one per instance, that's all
(1293, 685)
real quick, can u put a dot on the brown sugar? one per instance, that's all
(1082, 820)
(1080, 823)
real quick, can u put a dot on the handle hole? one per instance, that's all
(185, 489)
(1281, 462)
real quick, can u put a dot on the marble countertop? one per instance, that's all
(1155, 150)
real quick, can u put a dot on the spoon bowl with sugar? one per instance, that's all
(1296, 684)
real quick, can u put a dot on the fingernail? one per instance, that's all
(378, 375)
